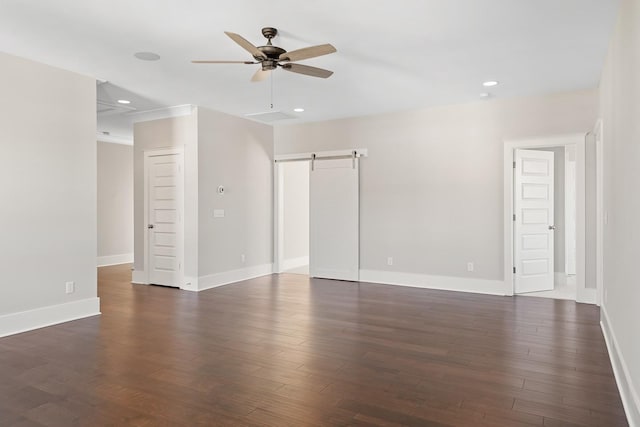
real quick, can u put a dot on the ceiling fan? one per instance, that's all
(272, 57)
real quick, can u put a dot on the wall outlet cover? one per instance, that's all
(70, 287)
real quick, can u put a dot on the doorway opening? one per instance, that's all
(551, 241)
(545, 218)
(295, 217)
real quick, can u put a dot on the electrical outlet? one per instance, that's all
(390, 260)
(70, 287)
(470, 266)
(242, 258)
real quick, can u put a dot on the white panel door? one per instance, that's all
(334, 219)
(533, 188)
(164, 224)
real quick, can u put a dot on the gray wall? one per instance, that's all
(620, 110)
(236, 153)
(115, 199)
(590, 217)
(47, 185)
(296, 209)
(431, 188)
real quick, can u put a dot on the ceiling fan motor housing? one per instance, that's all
(272, 52)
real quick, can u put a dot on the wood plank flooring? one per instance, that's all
(284, 350)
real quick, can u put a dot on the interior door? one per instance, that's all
(334, 219)
(165, 199)
(534, 210)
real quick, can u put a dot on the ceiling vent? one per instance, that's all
(270, 116)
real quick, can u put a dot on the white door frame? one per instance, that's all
(278, 194)
(598, 132)
(147, 155)
(579, 140)
(569, 220)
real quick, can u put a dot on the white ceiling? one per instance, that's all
(392, 55)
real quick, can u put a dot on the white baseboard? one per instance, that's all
(139, 277)
(290, 263)
(190, 283)
(107, 260)
(447, 283)
(586, 296)
(24, 321)
(227, 277)
(626, 388)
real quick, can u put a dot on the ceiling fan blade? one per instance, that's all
(307, 70)
(261, 75)
(246, 45)
(307, 52)
(223, 62)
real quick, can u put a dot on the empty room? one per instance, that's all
(356, 213)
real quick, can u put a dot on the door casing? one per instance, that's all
(579, 140)
(147, 155)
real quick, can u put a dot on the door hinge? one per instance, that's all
(514, 270)
(514, 165)
(514, 217)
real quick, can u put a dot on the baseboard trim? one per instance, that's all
(23, 321)
(104, 261)
(139, 277)
(586, 296)
(290, 263)
(232, 276)
(628, 393)
(445, 283)
(190, 283)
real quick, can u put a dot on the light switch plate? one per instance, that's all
(218, 213)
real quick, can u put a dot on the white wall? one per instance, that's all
(620, 110)
(48, 193)
(236, 153)
(166, 133)
(295, 210)
(115, 203)
(431, 188)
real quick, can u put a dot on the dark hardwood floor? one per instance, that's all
(287, 351)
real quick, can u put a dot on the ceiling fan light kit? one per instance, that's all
(271, 57)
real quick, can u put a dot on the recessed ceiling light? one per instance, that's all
(147, 56)
(124, 101)
(490, 83)
(299, 110)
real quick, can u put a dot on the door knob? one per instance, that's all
(150, 226)
(552, 227)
